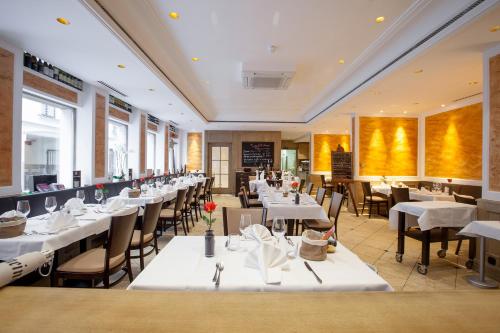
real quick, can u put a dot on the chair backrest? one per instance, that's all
(242, 200)
(179, 201)
(231, 218)
(301, 186)
(323, 180)
(400, 194)
(197, 192)
(465, 200)
(320, 196)
(150, 217)
(212, 180)
(189, 195)
(309, 188)
(120, 233)
(367, 189)
(245, 197)
(206, 185)
(335, 205)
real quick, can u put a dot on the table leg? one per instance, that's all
(481, 281)
(401, 236)
(423, 267)
(444, 243)
(290, 224)
(53, 282)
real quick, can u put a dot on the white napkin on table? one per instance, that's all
(124, 192)
(261, 177)
(60, 221)
(158, 184)
(269, 259)
(424, 190)
(74, 204)
(11, 214)
(257, 232)
(115, 204)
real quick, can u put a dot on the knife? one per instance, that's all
(310, 268)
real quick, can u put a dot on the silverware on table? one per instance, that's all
(310, 268)
(216, 270)
(221, 268)
(289, 240)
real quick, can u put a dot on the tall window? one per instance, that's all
(117, 148)
(151, 151)
(48, 134)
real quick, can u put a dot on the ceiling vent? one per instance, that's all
(112, 88)
(255, 77)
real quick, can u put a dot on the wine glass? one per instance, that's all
(245, 222)
(279, 227)
(50, 204)
(98, 195)
(80, 194)
(23, 207)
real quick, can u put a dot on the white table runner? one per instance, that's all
(433, 214)
(182, 266)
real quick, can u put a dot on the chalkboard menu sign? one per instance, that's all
(256, 153)
(341, 165)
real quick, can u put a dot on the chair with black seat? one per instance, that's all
(173, 215)
(320, 196)
(146, 236)
(333, 212)
(231, 218)
(301, 186)
(309, 188)
(249, 202)
(100, 263)
(187, 211)
(465, 200)
(195, 203)
(371, 199)
(324, 184)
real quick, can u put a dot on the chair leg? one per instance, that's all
(370, 206)
(184, 225)
(141, 256)
(195, 212)
(129, 270)
(105, 281)
(191, 215)
(363, 210)
(175, 225)
(459, 245)
(156, 244)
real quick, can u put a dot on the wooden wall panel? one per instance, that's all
(100, 136)
(142, 145)
(6, 114)
(51, 88)
(122, 115)
(494, 158)
(152, 127)
(453, 143)
(322, 150)
(388, 146)
(167, 150)
(194, 151)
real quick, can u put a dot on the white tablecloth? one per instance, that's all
(286, 207)
(433, 214)
(386, 189)
(257, 185)
(489, 229)
(91, 223)
(142, 200)
(429, 196)
(182, 266)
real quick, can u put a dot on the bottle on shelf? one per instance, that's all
(27, 59)
(34, 63)
(56, 74)
(51, 71)
(45, 69)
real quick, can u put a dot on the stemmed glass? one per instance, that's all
(245, 222)
(80, 194)
(98, 195)
(50, 204)
(279, 227)
(23, 207)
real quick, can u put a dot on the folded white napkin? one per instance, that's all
(257, 173)
(11, 214)
(258, 232)
(60, 221)
(115, 204)
(159, 184)
(262, 176)
(269, 259)
(74, 204)
(424, 190)
(124, 192)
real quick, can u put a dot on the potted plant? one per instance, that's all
(209, 208)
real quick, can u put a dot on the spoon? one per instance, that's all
(221, 268)
(217, 265)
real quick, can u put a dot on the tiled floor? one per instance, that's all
(373, 241)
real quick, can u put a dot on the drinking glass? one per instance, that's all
(233, 242)
(279, 227)
(98, 195)
(23, 207)
(50, 204)
(245, 221)
(80, 194)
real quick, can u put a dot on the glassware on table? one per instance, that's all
(80, 194)
(245, 222)
(279, 227)
(23, 207)
(50, 204)
(98, 195)
(233, 242)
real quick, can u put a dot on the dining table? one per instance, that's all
(183, 266)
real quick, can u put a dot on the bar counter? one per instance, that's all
(30, 309)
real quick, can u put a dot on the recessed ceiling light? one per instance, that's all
(170, 104)
(63, 20)
(174, 15)
(380, 19)
(195, 59)
(472, 83)
(495, 28)
(151, 89)
(418, 71)
(405, 112)
(341, 61)
(381, 111)
(443, 105)
(122, 66)
(416, 103)
(182, 113)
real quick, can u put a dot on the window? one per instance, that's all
(151, 151)
(117, 148)
(48, 134)
(220, 166)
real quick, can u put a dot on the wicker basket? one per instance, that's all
(312, 246)
(134, 193)
(12, 227)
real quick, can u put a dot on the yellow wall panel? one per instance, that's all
(388, 146)
(453, 143)
(323, 146)
(194, 151)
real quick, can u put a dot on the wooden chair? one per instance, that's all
(400, 194)
(309, 188)
(301, 186)
(243, 203)
(249, 203)
(231, 218)
(100, 263)
(206, 189)
(371, 200)
(187, 210)
(210, 188)
(320, 196)
(333, 211)
(147, 235)
(195, 203)
(465, 200)
(174, 215)
(325, 185)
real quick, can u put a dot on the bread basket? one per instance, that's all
(312, 246)
(134, 193)
(12, 226)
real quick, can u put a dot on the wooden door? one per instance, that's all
(219, 167)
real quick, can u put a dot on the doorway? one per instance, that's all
(219, 166)
(289, 160)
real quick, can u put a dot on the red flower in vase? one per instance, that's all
(210, 206)
(141, 179)
(294, 184)
(99, 186)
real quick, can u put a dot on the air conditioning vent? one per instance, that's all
(112, 88)
(277, 79)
